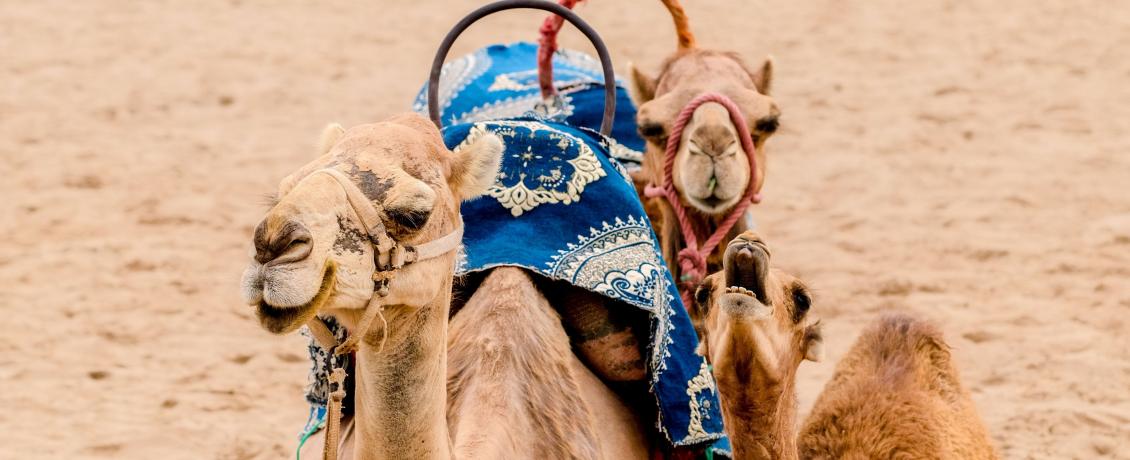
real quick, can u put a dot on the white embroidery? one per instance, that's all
(557, 172)
(620, 260)
(453, 77)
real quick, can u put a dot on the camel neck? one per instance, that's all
(761, 423)
(401, 393)
(758, 398)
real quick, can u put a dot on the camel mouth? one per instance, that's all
(745, 266)
(281, 320)
(712, 204)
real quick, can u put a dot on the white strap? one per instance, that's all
(442, 245)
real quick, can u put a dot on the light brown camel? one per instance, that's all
(711, 171)
(895, 395)
(500, 380)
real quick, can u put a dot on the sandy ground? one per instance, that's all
(964, 160)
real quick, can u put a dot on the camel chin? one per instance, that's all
(282, 320)
(739, 301)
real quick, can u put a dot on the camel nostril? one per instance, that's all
(292, 244)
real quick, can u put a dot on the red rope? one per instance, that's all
(692, 259)
(547, 45)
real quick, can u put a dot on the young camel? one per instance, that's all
(895, 395)
(711, 171)
(500, 380)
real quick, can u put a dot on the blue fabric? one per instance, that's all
(562, 208)
(500, 81)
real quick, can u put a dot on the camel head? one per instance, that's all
(711, 171)
(312, 253)
(752, 320)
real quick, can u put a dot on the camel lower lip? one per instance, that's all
(711, 203)
(280, 320)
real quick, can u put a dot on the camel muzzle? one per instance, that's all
(746, 268)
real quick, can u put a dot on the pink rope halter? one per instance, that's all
(692, 259)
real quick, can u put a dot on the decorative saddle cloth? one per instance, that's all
(563, 206)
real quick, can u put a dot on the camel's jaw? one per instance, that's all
(746, 268)
(281, 320)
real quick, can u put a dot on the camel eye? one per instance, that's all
(651, 130)
(767, 125)
(701, 298)
(406, 221)
(801, 303)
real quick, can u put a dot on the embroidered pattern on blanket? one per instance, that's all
(455, 75)
(540, 165)
(600, 241)
(500, 81)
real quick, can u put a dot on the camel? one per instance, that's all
(499, 380)
(895, 395)
(711, 171)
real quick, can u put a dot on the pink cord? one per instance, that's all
(547, 45)
(692, 259)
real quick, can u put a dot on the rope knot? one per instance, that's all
(693, 266)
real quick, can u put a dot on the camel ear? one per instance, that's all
(330, 135)
(814, 342)
(763, 77)
(476, 166)
(643, 86)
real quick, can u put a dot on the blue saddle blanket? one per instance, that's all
(563, 206)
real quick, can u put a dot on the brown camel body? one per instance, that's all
(500, 380)
(710, 172)
(895, 395)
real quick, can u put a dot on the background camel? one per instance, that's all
(711, 171)
(895, 394)
(516, 387)
(962, 159)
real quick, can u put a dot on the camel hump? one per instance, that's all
(905, 347)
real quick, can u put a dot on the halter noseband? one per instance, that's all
(692, 259)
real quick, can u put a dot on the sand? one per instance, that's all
(967, 161)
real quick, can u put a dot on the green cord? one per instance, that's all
(302, 440)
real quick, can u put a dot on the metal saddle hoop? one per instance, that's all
(569, 15)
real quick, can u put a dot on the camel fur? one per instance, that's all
(498, 381)
(710, 173)
(896, 394)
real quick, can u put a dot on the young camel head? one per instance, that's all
(312, 252)
(711, 171)
(752, 320)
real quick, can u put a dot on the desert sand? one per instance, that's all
(967, 161)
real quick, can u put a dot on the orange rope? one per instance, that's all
(682, 26)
